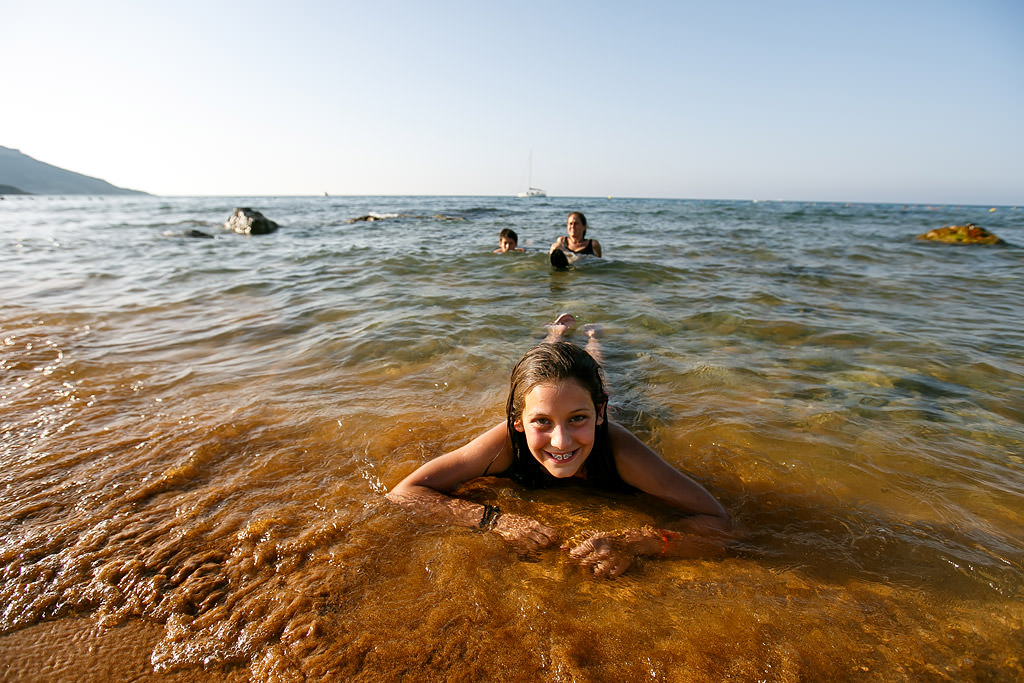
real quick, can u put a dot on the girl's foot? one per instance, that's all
(562, 324)
(593, 346)
(566, 320)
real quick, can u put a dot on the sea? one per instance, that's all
(198, 434)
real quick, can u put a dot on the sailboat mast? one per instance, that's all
(531, 191)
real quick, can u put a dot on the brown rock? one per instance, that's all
(248, 222)
(969, 233)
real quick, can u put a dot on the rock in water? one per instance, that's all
(969, 233)
(248, 222)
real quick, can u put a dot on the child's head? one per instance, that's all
(507, 240)
(557, 405)
(578, 221)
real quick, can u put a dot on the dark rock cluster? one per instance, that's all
(246, 221)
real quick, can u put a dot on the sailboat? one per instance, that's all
(532, 191)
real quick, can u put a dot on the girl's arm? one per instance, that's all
(426, 491)
(557, 243)
(596, 247)
(641, 467)
(700, 534)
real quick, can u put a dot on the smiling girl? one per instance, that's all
(557, 431)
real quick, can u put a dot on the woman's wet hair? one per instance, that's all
(550, 363)
(582, 219)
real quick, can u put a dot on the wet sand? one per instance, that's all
(74, 650)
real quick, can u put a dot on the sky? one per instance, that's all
(888, 101)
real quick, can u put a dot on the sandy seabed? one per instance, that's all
(74, 649)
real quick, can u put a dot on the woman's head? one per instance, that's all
(557, 405)
(576, 222)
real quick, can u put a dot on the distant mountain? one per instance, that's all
(21, 172)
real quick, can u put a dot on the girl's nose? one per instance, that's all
(560, 437)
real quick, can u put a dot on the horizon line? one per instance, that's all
(135, 194)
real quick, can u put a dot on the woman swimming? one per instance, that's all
(574, 243)
(557, 430)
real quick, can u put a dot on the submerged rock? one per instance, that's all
(370, 218)
(969, 233)
(187, 233)
(248, 222)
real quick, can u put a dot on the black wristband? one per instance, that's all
(490, 517)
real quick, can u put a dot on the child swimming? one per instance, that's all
(557, 430)
(508, 241)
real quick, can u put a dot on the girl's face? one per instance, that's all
(574, 226)
(559, 421)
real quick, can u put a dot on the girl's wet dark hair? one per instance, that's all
(550, 363)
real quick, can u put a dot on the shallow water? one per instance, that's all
(197, 433)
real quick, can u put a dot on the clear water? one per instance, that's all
(197, 435)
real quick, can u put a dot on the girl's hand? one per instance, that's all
(525, 535)
(611, 554)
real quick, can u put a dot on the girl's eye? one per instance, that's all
(578, 419)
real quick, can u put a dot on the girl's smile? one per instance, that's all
(559, 421)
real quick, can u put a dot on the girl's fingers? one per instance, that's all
(582, 550)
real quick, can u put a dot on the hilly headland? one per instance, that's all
(21, 174)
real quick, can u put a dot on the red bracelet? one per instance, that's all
(665, 536)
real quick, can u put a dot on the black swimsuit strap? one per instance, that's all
(587, 247)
